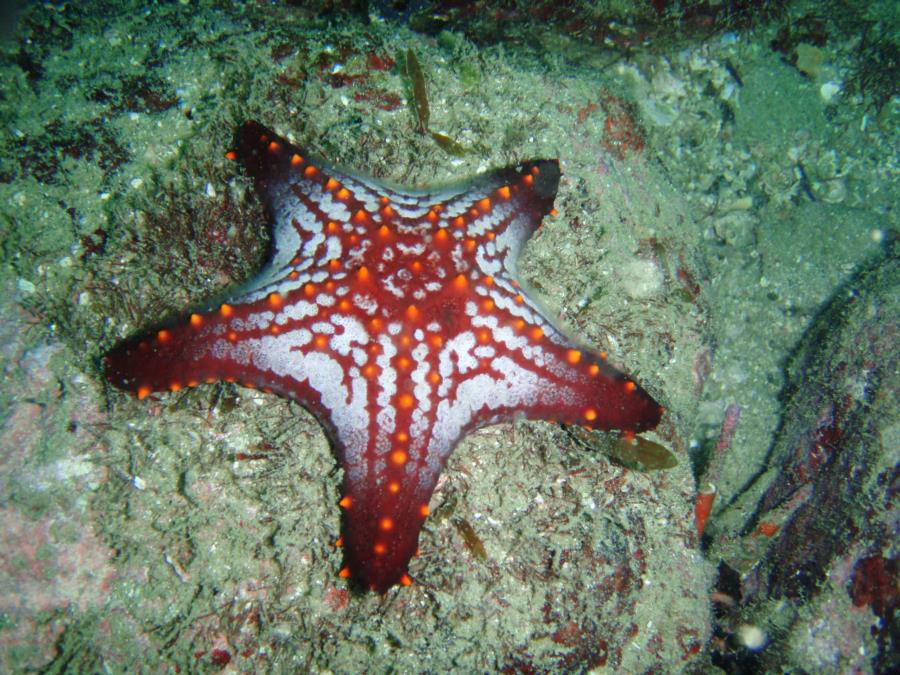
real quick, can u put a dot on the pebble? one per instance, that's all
(829, 90)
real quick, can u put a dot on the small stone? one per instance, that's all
(752, 637)
(744, 203)
(829, 90)
(834, 191)
(641, 279)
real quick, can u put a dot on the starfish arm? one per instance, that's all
(497, 375)
(384, 506)
(313, 214)
(577, 386)
(227, 343)
(168, 359)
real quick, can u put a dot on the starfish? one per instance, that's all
(396, 317)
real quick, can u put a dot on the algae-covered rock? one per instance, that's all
(817, 529)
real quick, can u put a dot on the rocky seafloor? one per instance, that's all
(726, 230)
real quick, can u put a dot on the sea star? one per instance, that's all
(396, 317)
